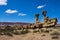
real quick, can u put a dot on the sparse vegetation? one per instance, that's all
(55, 33)
(8, 30)
(43, 35)
(16, 32)
(55, 37)
(45, 30)
(24, 31)
(35, 31)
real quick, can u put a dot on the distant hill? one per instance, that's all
(58, 25)
(17, 23)
(13, 23)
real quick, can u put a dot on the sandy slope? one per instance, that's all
(29, 36)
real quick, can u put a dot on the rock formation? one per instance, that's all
(46, 23)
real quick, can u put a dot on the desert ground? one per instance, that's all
(35, 36)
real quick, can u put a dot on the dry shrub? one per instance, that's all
(55, 33)
(16, 32)
(55, 37)
(36, 30)
(43, 35)
(45, 30)
(24, 31)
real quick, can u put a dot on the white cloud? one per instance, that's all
(41, 6)
(11, 11)
(22, 14)
(3, 2)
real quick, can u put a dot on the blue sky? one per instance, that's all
(25, 10)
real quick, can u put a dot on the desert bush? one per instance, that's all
(45, 30)
(2, 31)
(16, 32)
(50, 30)
(35, 31)
(15, 27)
(55, 33)
(55, 37)
(24, 31)
(8, 28)
(39, 30)
(8, 33)
(43, 35)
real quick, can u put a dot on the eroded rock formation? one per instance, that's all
(46, 23)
